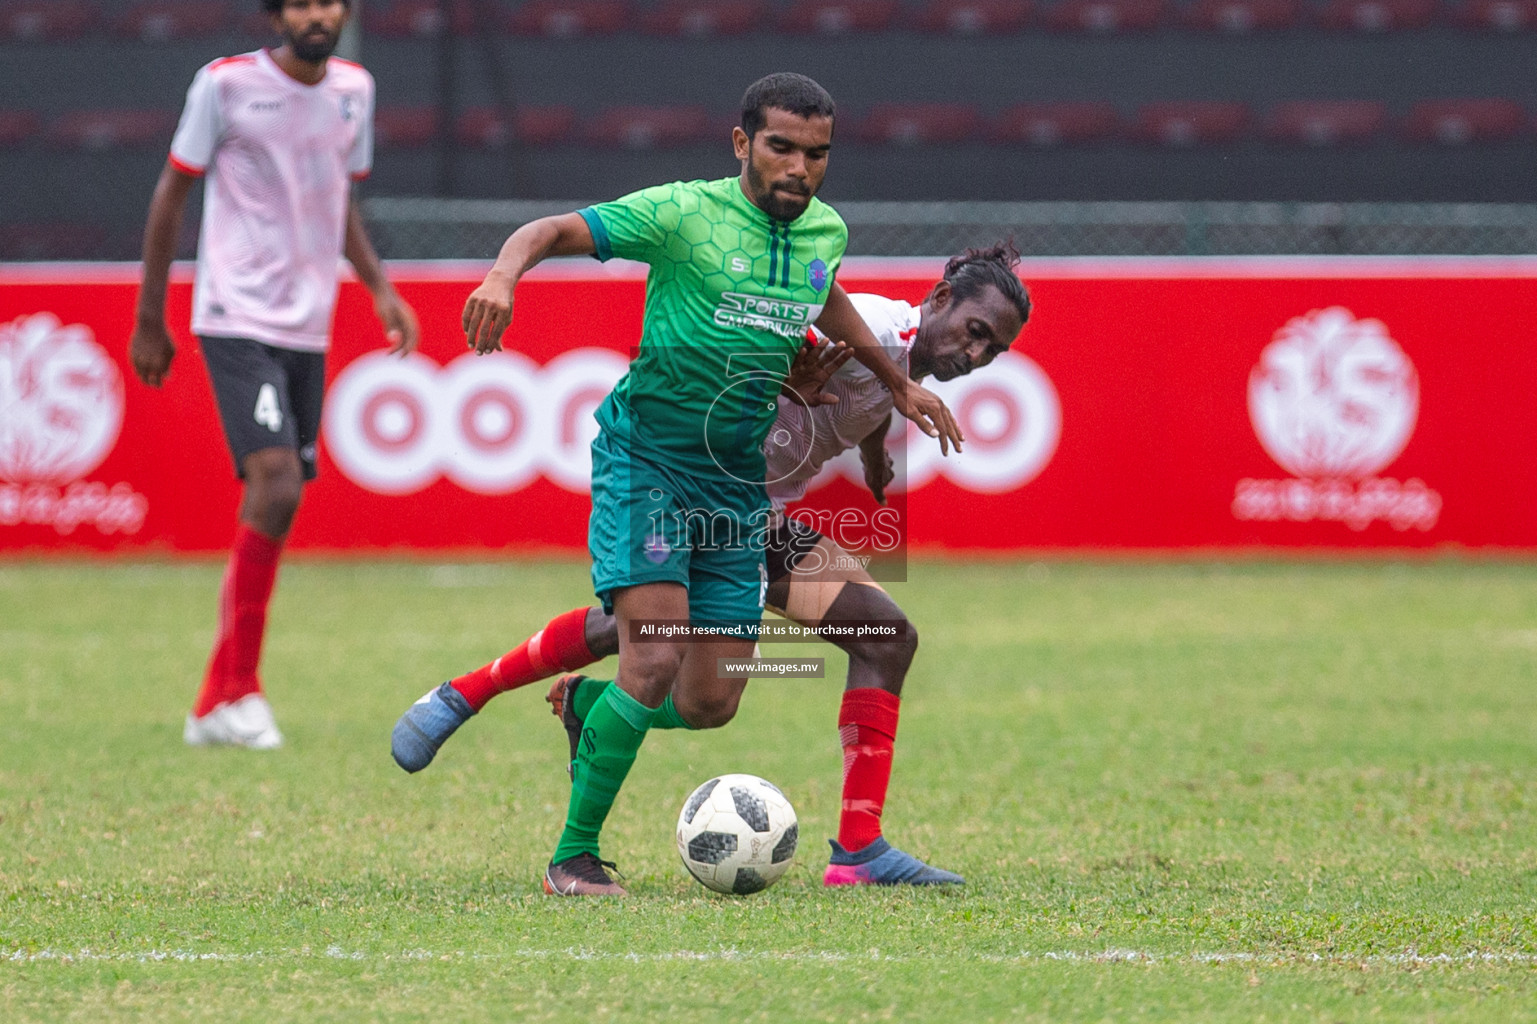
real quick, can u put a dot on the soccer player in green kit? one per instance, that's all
(740, 268)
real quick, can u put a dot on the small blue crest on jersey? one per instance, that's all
(817, 275)
(657, 549)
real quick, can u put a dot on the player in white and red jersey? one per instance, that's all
(969, 318)
(280, 135)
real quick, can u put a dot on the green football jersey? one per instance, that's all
(729, 298)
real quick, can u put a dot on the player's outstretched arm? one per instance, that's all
(876, 458)
(488, 310)
(398, 318)
(841, 320)
(150, 348)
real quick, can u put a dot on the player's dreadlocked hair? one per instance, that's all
(783, 90)
(975, 269)
(276, 6)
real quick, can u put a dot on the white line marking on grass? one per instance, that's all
(1107, 956)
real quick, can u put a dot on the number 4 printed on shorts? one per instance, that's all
(268, 413)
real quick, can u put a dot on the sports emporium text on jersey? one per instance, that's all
(782, 317)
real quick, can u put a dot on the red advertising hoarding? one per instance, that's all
(1234, 404)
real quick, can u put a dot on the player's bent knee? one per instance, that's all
(649, 670)
(601, 631)
(277, 504)
(888, 659)
(274, 484)
(709, 712)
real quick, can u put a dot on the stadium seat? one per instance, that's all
(405, 127)
(636, 127)
(1106, 16)
(972, 17)
(913, 124)
(564, 19)
(697, 18)
(36, 21)
(16, 127)
(1456, 122)
(1055, 124)
(1499, 15)
(51, 241)
(1241, 16)
(1326, 122)
(423, 19)
(485, 128)
(1377, 15)
(256, 25)
(97, 130)
(1190, 122)
(835, 17)
(160, 21)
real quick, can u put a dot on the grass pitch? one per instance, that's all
(1213, 791)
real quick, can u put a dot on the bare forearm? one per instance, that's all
(488, 310)
(527, 247)
(161, 229)
(875, 440)
(842, 322)
(360, 252)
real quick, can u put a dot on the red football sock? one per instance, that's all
(561, 646)
(867, 728)
(243, 597)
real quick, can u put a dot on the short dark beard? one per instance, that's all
(768, 201)
(313, 53)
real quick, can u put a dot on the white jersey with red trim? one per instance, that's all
(802, 440)
(280, 157)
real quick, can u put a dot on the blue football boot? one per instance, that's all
(880, 863)
(427, 725)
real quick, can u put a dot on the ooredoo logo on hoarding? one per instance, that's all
(1012, 419)
(492, 424)
(61, 409)
(1334, 400)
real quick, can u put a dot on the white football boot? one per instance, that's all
(246, 722)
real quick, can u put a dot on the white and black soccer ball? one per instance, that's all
(737, 834)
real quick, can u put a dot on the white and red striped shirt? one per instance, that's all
(280, 157)
(801, 441)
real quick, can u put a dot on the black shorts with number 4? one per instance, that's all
(268, 397)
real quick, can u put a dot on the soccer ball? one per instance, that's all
(737, 834)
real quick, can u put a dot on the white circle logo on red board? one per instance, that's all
(1334, 401)
(1334, 396)
(1012, 419)
(61, 401)
(491, 424)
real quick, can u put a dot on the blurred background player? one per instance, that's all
(968, 319)
(281, 135)
(722, 322)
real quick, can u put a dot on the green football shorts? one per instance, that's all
(652, 524)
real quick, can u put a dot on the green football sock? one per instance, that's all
(667, 716)
(611, 737)
(590, 690)
(586, 695)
